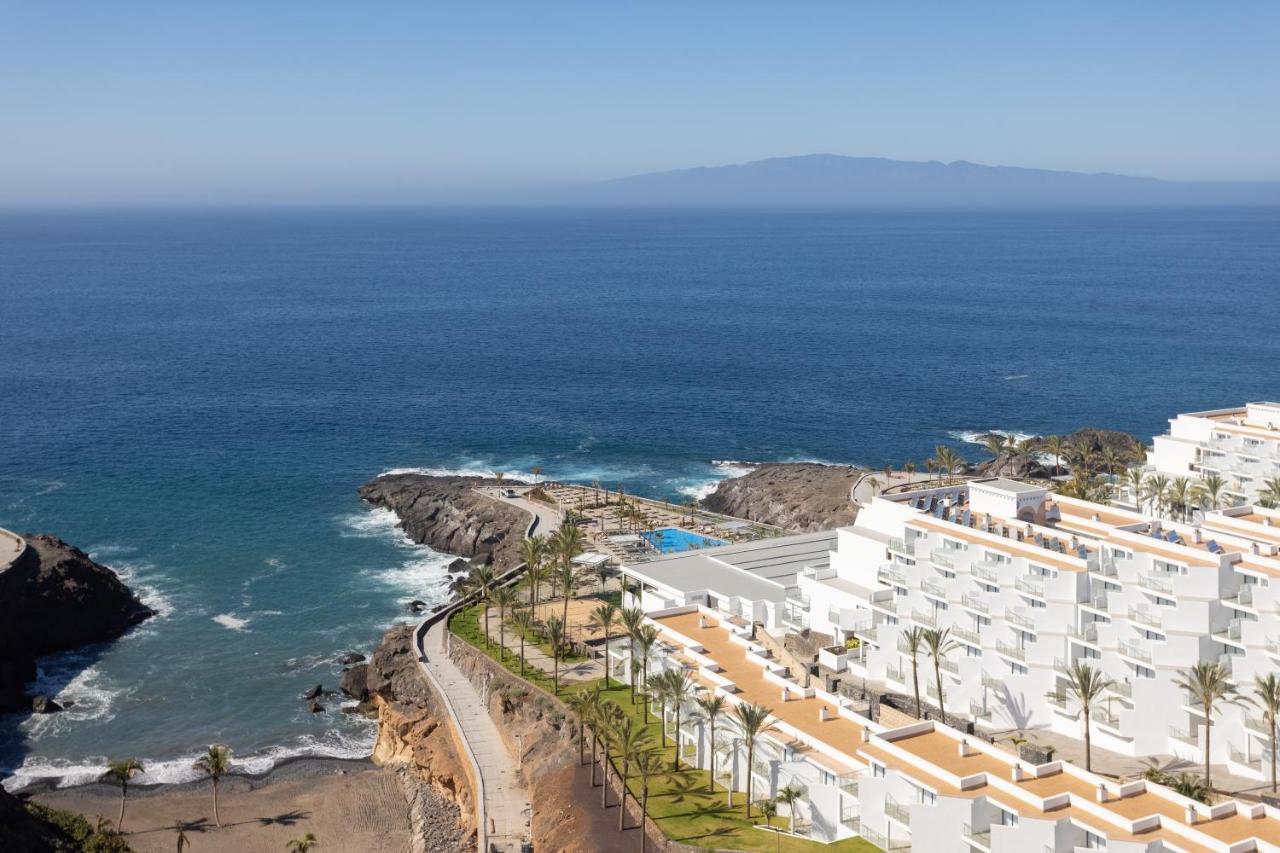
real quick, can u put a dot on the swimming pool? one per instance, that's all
(669, 540)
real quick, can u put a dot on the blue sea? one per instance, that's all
(194, 397)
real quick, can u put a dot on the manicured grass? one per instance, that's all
(678, 800)
(682, 807)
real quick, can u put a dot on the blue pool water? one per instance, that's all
(194, 397)
(669, 540)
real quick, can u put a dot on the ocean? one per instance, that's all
(195, 396)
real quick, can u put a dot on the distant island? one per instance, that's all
(832, 179)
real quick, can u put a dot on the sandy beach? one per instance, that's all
(348, 805)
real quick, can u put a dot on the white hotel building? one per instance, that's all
(1242, 446)
(1028, 581)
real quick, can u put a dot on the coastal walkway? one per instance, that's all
(506, 802)
(548, 517)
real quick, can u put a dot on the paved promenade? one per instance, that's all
(506, 802)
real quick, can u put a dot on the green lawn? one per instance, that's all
(678, 801)
(680, 804)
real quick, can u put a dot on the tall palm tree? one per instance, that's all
(1208, 492)
(121, 771)
(873, 483)
(1266, 695)
(1110, 460)
(909, 468)
(646, 638)
(711, 708)
(1209, 684)
(303, 844)
(1180, 496)
(608, 722)
(215, 763)
(1086, 685)
(524, 622)
(533, 554)
(769, 810)
(1135, 480)
(753, 723)
(629, 739)
(632, 618)
(913, 638)
(1056, 446)
(580, 704)
(499, 476)
(649, 766)
(789, 797)
(555, 636)
(1026, 448)
(1155, 487)
(679, 690)
(605, 618)
(536, 471)
(506, 598)
(567, 577)
(948, 460)
(939, 644)
(480, 580)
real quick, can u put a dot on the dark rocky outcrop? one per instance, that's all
(44, 705)
(800, 496)
(448, 514)
(350, 658)
(355, 682)
(27, 829)
(54, 598)
(314, 692)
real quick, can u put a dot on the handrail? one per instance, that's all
(443, 613)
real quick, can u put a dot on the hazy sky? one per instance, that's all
(274, 101)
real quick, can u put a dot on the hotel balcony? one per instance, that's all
(1145, 617)
(898, 811)
(1155, 583)
(1010, 650)
(979, 711)
(902, 546)
(1134, 651)
(1030, 586)
(976, 602)
(1087, 634)
(1242, 600)
(922, 618)
(964, 635)
(942, 557)
(981, 839)
(1184, 736)
(1022, 621)
(891, 576)
(986, 572)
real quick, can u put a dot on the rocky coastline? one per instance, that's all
(449, 515)
(797, 496)
(53, 598)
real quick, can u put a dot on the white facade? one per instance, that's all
(1026, 595)
(924, 786)
(1240, 445)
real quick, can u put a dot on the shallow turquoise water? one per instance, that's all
(670, 540)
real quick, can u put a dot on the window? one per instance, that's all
(926, 797)
(1017, 669)
(971, 652)
(1005, 818)
(1094, 842)
(877, 770)
(1037, 603)
(1143, 672)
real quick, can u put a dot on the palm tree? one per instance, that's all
(607, 722)
(994, 442)
(121, 771)
(1056, 446)
(1135, 480)
(480, 579)
(1269, 496)
(646, 637)
(215, 763)
(938, 644)
(1266, 695)
(524, 622)
(506, 598)
(769, 810)
(1110, 460)
(753, 722)
(1026, 448)
(567, 578)
(909, 468)
(913, 637)
(555, 635)
(789, 797)
(303, 844)
(632, 618)
(536, 471)
(1209, 684)
(1180, 495)
(1208, 492)
(679, 689)
(499, 475)
(605, 618)
(948, 460)
(648, 762)
(579, 703)
(629, 740)
(1156, 486)
(710, 709)
(874, 484)
(1086, 685)
(532, 554)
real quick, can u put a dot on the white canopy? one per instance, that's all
(591, 558)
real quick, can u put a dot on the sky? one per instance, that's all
(337, 101)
